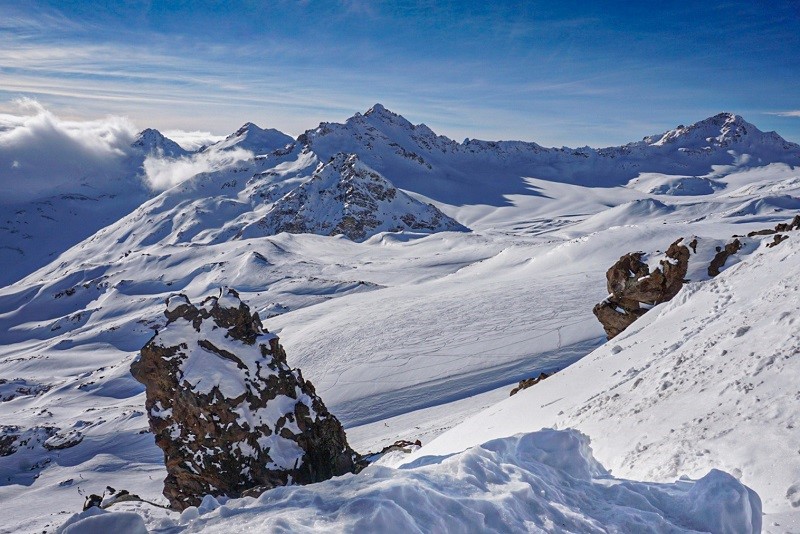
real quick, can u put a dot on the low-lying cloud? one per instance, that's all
(194, 140)
(41, 154)
(162, 173)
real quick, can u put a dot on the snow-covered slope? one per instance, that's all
(708, 379)
(404, 326)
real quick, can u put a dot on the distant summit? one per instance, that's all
(257, 140)
(151, 141)
(720, 131)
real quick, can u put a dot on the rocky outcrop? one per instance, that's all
(778, 237)
(634, 289)
(528, 382)
(782, 227)
(402, 446)
(229, 413)
(346, 197)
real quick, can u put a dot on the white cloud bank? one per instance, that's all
(162, 173)
(41, 154)
(194, 140)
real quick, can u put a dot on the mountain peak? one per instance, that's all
(719, 130)
(252, 137)
(151, 141)
(379, 109)
(379, 112)
(246, 128)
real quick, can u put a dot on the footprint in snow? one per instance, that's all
(741, 331)
(793, 494)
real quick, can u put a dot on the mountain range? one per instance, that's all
(413, 279)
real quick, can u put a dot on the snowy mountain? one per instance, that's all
(152, 142)
(251, 137)
(408, 327)
(344, 196)
(38, 229)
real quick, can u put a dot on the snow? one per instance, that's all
(269, 414)
(97, 521)
(407, 334)
(705, 379)
(542, 481)
(284, 453)
(204, 370)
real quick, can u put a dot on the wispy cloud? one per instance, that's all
(162, 173)
(466, 69)
(789, 113)
(193, 140)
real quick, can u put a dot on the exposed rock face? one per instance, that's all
(528, 382)
(633, 289)
(344, 196)
(723, 253)
(228, 412)
(631, 285)
(782, 227)
(778, 238)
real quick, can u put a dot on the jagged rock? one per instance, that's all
(781, 227)
(19, 387)
(92, 501)
(528, 382)
(777, 240)
(227, 410)
(346, 197)
(8, 441)
(631, 285)
(723, 253)
(633, 289)
(401, 445)
(60, 441)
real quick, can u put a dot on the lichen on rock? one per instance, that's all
(227, 410)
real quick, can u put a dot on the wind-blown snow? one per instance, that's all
(164, 172)
(41, 154)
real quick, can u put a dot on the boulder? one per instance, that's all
(633, 289)
(528, 382)
(723, 253)
(227, 410)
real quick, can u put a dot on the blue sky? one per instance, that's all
(558, 73)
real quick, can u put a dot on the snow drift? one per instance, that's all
(542, 481)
